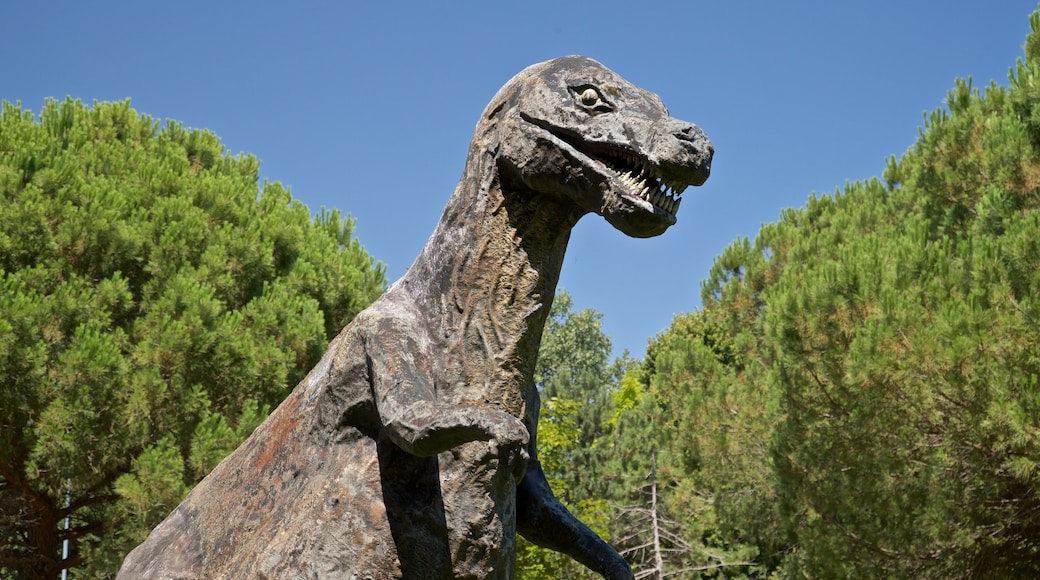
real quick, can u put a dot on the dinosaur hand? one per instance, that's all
(510, 437)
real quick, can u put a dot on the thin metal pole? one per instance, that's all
(68, 524)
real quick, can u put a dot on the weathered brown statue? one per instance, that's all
(410, 450)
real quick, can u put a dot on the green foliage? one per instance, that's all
(710, 432)
(155, 303)
(599, 431)
(859, 395)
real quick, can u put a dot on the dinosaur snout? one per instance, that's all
(698, 147)
(683, 151)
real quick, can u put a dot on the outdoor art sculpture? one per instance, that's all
(410, 451)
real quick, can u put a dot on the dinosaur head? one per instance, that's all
(573, 128)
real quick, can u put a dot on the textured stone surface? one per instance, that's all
(410, 450)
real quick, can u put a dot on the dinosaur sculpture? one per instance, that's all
(409, 451)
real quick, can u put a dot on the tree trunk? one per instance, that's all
(35, 550)
(44, 541)
(655, 524)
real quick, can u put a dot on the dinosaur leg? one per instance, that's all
(479, 495)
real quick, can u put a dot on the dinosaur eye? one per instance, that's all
(589, 97)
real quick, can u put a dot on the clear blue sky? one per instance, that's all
(369, 107)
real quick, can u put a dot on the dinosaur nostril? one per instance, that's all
(688, 133)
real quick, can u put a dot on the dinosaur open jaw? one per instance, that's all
(641, 181)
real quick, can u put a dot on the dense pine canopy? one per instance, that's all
(859, 394)
(155, 302)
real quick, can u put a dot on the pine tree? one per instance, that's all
(154, 305)
(669, 441)
(860, 393)
(649, 541)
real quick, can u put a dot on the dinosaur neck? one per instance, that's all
(486, 280)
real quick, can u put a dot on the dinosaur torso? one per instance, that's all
(409, 451)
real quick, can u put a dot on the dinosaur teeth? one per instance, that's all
(643, 183)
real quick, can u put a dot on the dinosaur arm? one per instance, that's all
(403, 388)
(543, 520)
